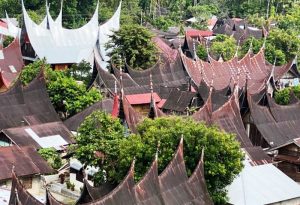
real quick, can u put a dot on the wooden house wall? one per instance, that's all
(142, 109)
(291, 170)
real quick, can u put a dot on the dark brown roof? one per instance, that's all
(171, 187)
(229, 119)
(198, 185)
(147, 190)
(21, 138)
(50, 200)
(26, 160)
(26, 106)
(123, 193)
(257, 155)
(91, 193)
(178, 100)
(173, 181)
(75, 121)
(205, 112)
(275, 133)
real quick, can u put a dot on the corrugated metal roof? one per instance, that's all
(264, 184)
(140, 99)
(26, 161)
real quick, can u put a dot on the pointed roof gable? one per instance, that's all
(198, 185)
(147, 191)
(59, 45)
(175, 190)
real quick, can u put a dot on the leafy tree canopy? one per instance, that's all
(134, 43)
(100, 133)
(52, 157)
(223, 46)
(67, 95)
(256, 46)
(282, 46)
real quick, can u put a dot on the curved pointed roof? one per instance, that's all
(178, 186)
(12, 63)
(205, 112)
(28, 105)
(123, 193)
(228, 118)
(105, 31)
(59, 45)
(198, 185)
(147, 191)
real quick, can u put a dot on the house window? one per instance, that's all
(27, 183)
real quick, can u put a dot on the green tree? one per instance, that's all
(52, 157)
(223, 158)
(282, 97)
(67, 96)
(7, 40)
(163, 22)
(30, 71)
(202, 52)
(133, 42)
(282, 45)
(100, 133)
(223, 46)
(256, 46)
(81, 72)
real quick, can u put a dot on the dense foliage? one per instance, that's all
(134, 44)
(67, 95)
(223, 46)
(100, 133)
(282, 97)
(52, 157)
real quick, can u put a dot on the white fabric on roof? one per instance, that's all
(105, 31)
(264, 184)
(12, 29)
(59, 45)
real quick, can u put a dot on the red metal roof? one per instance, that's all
(197, 33)
(3, 24)
(140, 99)
(161, 103)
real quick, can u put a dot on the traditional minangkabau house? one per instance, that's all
(172, 186)
(27, 163)
(239, 29)
(52, 41)
(28, 119)
(11, 64)
(29, 105)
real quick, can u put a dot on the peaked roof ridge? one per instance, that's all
(172, 186)
(205, 111)
(147, 190)
(125, 189)
(198, 184)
